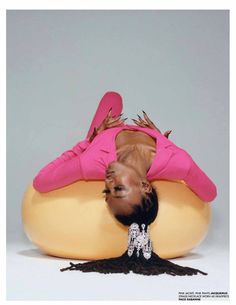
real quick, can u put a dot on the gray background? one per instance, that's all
(172, 64)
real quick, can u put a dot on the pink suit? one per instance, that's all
(88, 161)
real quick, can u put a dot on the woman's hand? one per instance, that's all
(108, 122)
(147, 123)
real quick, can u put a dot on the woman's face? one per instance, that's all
(124, 188)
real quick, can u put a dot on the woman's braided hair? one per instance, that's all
(144, 213)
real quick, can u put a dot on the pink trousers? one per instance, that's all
(109, 100)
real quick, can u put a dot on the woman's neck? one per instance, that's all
(136, 156)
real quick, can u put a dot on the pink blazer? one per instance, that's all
(88, 161)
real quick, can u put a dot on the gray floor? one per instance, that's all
(31, 275)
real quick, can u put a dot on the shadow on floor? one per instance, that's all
(39, 254)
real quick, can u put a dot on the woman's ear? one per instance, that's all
(146, 186)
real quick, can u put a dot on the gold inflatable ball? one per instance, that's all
(75, 221)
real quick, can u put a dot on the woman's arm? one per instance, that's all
(66, 169)
(62, 171)
(200, 183)
(196, 179)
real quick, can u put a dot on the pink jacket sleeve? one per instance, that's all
(63, 171)
(200, 183)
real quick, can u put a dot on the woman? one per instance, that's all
(127, 157)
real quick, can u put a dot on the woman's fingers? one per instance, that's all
(145, 121)
(147, 118)
(140, 123)
(110, 121)
(141, 120)
(114, 119)
(116, 123)
(167, 133)
(136, 122)
(109, 114)
(151, 124)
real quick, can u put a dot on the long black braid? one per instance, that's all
(145, 213)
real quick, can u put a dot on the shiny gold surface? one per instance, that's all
(75, 222)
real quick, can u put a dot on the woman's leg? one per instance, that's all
(109, 100)
(65, 169)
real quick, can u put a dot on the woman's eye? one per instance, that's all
(106, 191)
(116, 188)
